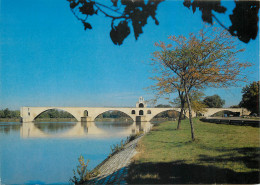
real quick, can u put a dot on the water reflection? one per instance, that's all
(34, 153)
(6, 128)
(81, 129)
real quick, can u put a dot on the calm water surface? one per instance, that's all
(47, 153)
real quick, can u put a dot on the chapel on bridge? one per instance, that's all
(141, 103)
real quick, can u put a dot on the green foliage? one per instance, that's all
(166, 114)
(6, 113)
(83, 174)
(196, 102)
(250, 97)
(54, 113)
(214, 101)
(190, 64)
(226, 113)
(133, 136)
(234, 106)
(113, 114)
(118, 147)
(2, 114)
(163, 106)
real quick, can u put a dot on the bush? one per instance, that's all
(83, 174)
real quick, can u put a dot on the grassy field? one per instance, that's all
(220, 154)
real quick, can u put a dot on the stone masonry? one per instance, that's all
(114, 170)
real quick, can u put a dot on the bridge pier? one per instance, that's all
(86, 119)
(26, 119)
(140, 119)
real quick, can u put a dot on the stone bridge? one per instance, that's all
(139, 113)
(210, 111)
(28, 114)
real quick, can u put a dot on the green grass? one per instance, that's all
(220, 154)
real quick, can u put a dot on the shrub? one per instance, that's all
(83, 174)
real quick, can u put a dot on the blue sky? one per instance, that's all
(47, 59)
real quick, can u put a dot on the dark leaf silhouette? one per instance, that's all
(206, 7)
(124, 12)
(73, 4)
(114, 2)
(87, 8)
(244, 20)
(119, 33)
(87, 25)
(136, 12)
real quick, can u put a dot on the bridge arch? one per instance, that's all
(36, 115)
(104, 111)
(212, 111)
(158, 111)
(227, 112)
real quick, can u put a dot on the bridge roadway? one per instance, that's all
(28, 114)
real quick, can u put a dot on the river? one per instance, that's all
(47, 153)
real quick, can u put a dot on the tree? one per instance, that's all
(2, 114)
(15, 114)
(244, 18)
(250, 97)
(163, 106)
(197, 105)
(234, 106)
(214, 101)
(205, 59)
(167, 88)
(7, 113)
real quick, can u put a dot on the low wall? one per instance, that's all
(233, 121)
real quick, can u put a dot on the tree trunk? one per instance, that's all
(180, 115)
(190, 115)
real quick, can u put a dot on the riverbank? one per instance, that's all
(114, 169)
(220, 154)
(10, 119)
